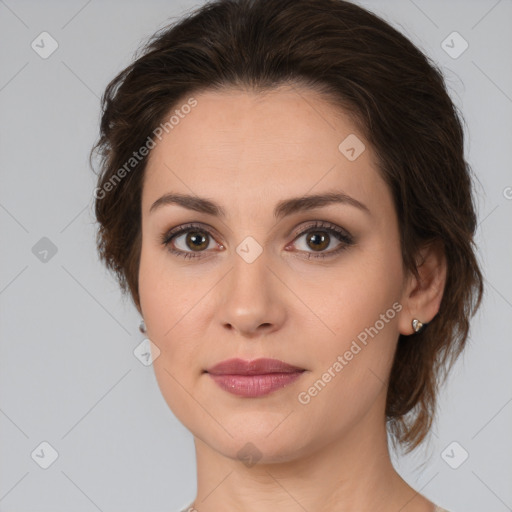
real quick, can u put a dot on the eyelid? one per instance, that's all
(322, 225)
(183, 228)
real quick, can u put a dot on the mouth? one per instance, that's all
(253, 378)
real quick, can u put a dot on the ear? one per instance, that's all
(422, 295)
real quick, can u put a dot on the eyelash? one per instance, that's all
(342, 235)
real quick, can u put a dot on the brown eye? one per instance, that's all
(196, 240)
(318, 240)
(189, 241)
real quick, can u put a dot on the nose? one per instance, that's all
(251, 298)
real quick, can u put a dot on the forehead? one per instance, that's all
(281, 142)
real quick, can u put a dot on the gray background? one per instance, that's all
(68, 375)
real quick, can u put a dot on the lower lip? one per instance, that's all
(254, 385)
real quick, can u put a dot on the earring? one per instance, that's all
(142, 327)
(417, 325)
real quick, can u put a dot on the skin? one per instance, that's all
(247, 152)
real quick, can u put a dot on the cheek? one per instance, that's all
(354, 295)
(165, 306)
(163, 296)
(171, 303)
(360, 303)
(160, 303)
(353, 363)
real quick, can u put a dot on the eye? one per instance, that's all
(188, 241)
(321, 235)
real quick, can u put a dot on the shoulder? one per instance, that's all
(439, 509)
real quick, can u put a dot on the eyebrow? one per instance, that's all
(283, 208)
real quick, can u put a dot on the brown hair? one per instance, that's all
(392, 92)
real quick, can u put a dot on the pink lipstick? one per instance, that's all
(253, 378)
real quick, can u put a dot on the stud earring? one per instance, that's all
(142, 327)
(417, 325)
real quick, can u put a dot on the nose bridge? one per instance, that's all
(250, 295)
(249, 279)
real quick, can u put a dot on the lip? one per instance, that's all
(256, 367)
(253, 378)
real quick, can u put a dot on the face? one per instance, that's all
(315, 284)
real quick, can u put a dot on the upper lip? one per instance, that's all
(255, 367)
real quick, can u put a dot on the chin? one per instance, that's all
(255, 443)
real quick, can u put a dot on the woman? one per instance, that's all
(283, 192)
